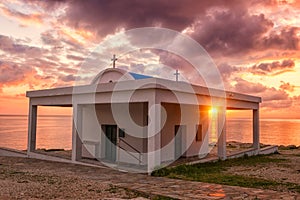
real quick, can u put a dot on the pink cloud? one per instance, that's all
(272, 98)
(287, 38)
(9, 45)
(247, 87)
(273, 68)
(13, 73)
(25, 19)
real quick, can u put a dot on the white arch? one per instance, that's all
(112, 75)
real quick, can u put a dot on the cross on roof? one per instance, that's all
(176, 74)
(114, 59)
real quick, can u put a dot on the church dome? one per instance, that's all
(115, 75)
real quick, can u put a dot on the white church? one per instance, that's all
(139, 121)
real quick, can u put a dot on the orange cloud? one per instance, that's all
(25, 19)
(287, 87)
(88, 35)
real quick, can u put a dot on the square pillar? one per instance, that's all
(256, 129)
(154, 136)
(222, 133)
(76, 133)
(32, 119)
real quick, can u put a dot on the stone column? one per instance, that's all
(222, 133)
(256, 129)
(32, 118)
(76, 133)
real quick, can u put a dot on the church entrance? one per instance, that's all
(110, 142)
(178, 141)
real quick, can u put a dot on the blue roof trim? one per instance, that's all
(139, 76)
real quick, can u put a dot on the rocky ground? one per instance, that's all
(287, 171)
(22, 178)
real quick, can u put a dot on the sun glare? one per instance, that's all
(213, 110)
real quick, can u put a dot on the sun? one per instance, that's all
(213, 110)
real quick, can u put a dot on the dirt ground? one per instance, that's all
(287, 171)
(22, 178)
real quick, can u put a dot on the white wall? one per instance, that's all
(90, 132)
(101, 114)
(191, 116)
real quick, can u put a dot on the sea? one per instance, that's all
(55, 132)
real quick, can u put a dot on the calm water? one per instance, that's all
(52, 132)
(55, 131)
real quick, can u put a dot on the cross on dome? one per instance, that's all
(176, 74)
(114, 59)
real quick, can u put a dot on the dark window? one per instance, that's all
(199, 132)
(121, 132)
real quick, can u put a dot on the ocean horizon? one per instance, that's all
(55, 131)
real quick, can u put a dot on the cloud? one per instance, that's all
(230, 31)
(236, 32)
(226, 28)
(62, 39)
(287, 87)
(13, 73)
(273, 68)
(286, 39)
(9, 45)
(227, 70)
(67, 70)
(296, 100)
(247, 87)
(187, 71)
(107, 17)
(25, 19)
(271, 97)
(94, 15)
(277, 104)
(44, 78)
(222, 27)
(272, 94)
(45, 63)
(48, 38)
(68, 78)
(73, 57)
(38, 68)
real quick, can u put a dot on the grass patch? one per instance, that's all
(215, 172)
(293, 187)
(207, 170)
(112, 189)
(11, 173)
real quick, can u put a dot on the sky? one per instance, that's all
(254, 45)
